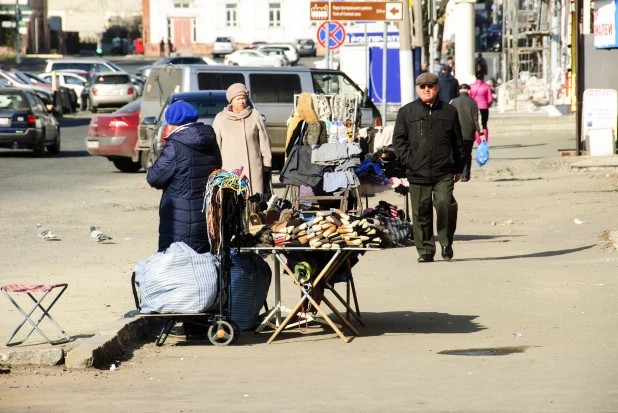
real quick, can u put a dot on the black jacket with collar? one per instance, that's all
(427, 140)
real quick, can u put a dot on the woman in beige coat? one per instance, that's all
(243, 138)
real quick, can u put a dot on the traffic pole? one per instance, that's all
(405, 59)
(384, 68)
(327, 42)
(18, 38)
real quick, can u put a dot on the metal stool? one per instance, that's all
(29, 289)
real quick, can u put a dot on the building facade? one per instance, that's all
(193, 25)
(90, 18)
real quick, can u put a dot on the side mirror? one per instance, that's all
(150, 121)
(263, 118)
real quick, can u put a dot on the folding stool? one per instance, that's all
(30, 289)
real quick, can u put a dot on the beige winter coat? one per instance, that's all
(244, 141)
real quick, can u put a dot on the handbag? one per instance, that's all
(482, 153)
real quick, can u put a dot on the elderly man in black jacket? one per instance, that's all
(187, 160)
(427, 139)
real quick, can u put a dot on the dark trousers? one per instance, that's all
(468, 144)
(423, 199)
(484, 117)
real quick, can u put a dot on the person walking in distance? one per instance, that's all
(436, 68)
(162, 48)
(480, 64)
(470, 120)
(481, 93)
(170, 47)
(449, 86)
(427, 139)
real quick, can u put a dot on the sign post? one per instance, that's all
(331, 35)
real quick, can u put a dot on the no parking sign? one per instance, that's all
(337, 35)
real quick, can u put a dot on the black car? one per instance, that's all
(305, 47)
(25, 123)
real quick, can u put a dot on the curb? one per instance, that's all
(39, 357)
(100, 349)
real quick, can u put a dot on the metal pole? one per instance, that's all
(432, 49)
(327, 42)
(406, 58)
(579, 75)
(367, 71)
(18, 38)
(384, 69)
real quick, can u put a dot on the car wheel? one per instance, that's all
(83, 104)
(55, 148)
(93, 109)
(127, 165)
(314, 54)
(39, 149)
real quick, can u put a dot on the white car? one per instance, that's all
(67, 79)
(252, 58)
(222, 46)
(289, 49)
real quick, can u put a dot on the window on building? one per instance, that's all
(274, 14)
(231, 15)
(181, 4)
(274, 88)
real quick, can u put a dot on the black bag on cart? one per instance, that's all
(250, 278)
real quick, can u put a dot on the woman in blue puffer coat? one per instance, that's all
(188, 158)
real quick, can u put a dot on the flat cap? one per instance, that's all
(426, 79)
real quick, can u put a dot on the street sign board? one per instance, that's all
(337, 35)
(356, 11)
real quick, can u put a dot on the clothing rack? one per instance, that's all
(330, 98)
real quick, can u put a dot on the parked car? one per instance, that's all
(222, 46)
(208, 104)
(138, 83)
(87, 65)
(69, 80)
(305, 47)
(25, 122)
(272, 91)
(274, 51)
(144, 71)
(109, 90)
(114, 136)
(290, 51)
(35, 80)
(252, 58)
(13, 80)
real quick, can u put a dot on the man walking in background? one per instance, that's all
(449, 86)
(427, 140)
(470, 120)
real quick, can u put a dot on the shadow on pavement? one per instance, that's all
(481, 237)
(410, 322)
(515, 179)
(73, 122)
(516, 146)
(71, 154)
(534, 255)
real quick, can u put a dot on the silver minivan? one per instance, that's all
(272, 91)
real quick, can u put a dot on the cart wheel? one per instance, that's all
(236, 328)
(221, 333)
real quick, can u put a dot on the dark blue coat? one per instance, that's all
(449, 87)
(182, 170)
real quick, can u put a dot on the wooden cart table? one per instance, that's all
(340, 257)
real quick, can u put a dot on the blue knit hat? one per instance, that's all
(180, 113)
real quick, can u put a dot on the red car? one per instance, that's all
(114, 136)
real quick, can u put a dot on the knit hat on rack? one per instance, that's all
(180, 113)
(237, 89)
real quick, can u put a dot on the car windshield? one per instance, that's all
(334, 82)
(13, 101)
(17, 79)
(223, 40)
(163, 61)
(207, 106)
(22, 77)
(112, 79)
(306, 42)
(37, 78)
(130, 107)
(113, 66)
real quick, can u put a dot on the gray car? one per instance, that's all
(110, 90)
